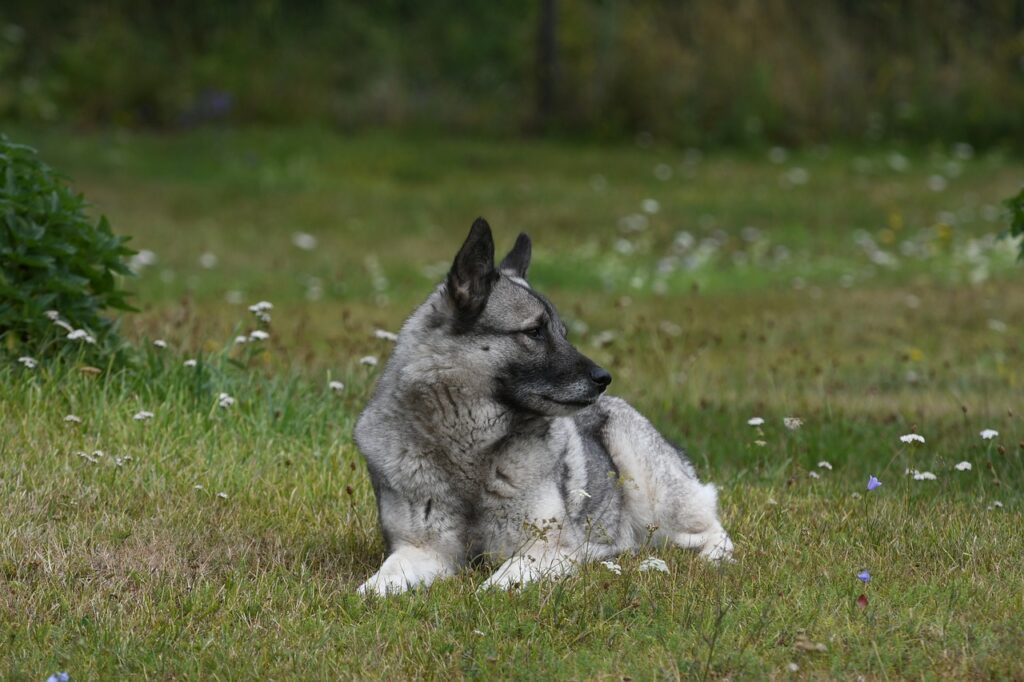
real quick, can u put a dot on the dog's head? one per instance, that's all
(507, 330)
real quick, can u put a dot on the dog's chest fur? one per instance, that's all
(523, 486)
(511, 474)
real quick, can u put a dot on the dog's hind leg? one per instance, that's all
(692, 523)
(660, 487)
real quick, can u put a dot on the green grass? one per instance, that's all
(113, 571)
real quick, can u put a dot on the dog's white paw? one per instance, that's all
(384, 585)
(718, 548)
(513, 574)
(406, 568)
(525, 568)
(714, 546)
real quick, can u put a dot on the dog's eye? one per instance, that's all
(537, 333)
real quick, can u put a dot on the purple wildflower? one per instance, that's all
(864, 577)
(873, 483)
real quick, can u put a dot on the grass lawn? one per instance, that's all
(862, 291)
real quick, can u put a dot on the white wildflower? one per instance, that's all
(191, 362)
(336, 386)
(963, 150)
(814, 474)
(924, 476)
(241, 339)
(142, 259)
(142, 415)
(87, 457)
(52, 315)
(222, 495)
(29, 363)
(995, 505)
(936, 183)
(304, 241)
(634, 222)
(651, 206)
(160, 343)
(797, 176)
(670, 328)
(73, 419)
(260, 310)
(224, 400)
(825, 465)
(793, 667)
(64, 325)
(912, 438)
(963, 466)
(755, 421)
(258, 335)
(121, 461)
(208, 260)
(988, 434)
(653, 564)
(369, 361)
(197, 486)
(793, 423)
(385, 335)
(80, 335)
(898, 162)
(760, 443)
(613, 567)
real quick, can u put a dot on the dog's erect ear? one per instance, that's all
(472, 274)
(517, 262)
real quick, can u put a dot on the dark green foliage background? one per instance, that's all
(700, 72)
(52, 256)
(1016, 206)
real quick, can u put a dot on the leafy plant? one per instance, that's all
(58, 268)
(1016, 206)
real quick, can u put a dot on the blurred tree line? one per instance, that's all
(689, 71)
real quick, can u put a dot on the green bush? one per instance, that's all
(58, 268)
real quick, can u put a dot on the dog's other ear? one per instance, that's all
(472, 274)
(517, 262)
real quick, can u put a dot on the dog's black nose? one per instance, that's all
(600, 376)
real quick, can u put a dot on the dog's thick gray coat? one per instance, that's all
(488, 435)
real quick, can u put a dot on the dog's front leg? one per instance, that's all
(426, 541)
(540, 560)
(406, 567)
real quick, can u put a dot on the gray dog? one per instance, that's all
(488, 436)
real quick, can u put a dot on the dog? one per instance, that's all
(490, 436)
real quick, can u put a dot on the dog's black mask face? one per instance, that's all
(534, 366)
